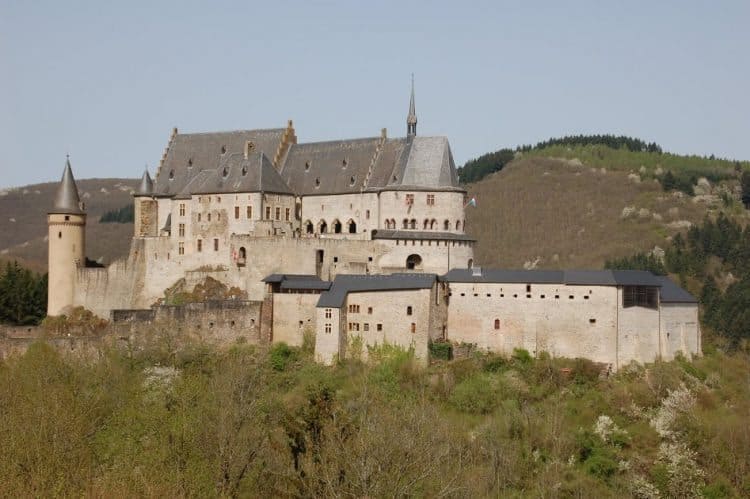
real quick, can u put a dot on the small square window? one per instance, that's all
(380, 327)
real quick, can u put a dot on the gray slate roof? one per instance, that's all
(190, 154)
(147, 185)
(66, 199)
(672, 293)
(344, 284)
(424, 235)
(298, 281)
(426, 163)
(571, 277)
(236, 173)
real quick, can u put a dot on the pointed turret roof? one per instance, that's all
(147, 185)
(67, 200)
(411, 118)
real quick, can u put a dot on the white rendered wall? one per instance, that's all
(448, 206)
(680, 330)
(342, 207)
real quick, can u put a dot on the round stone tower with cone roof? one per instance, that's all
(67, 243)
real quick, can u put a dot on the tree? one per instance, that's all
(745, 181)
(668, 182)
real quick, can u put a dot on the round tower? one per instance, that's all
(67, 243)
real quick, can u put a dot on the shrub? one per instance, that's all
(600, 466)
(441, 350)
(522, 356)
(475, 395)
(281, 355)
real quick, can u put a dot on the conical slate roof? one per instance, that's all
(147, 185)
(67, 200)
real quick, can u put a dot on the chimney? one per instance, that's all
(249, 146)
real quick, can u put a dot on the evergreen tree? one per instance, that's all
(668, 182)
(745, 181)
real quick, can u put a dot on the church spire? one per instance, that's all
(411, 119)
(67, 200)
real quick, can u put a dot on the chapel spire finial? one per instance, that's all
(411, 118)
(67, 199)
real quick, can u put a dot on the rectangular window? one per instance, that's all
(367, 214)
(328, 313)
(182, 209)
(181, 248)
(268, 213)
(249, 212)
(410, 199)
(366, 326)
(380, 327)
(199, 217)
(199, 245)
(328, 328)
(208, 217)
(369, 310)
(216, 244)
(640, 296)
(286, 214)
(354, 309)
(413, 327)
(236, 212)
(181, 229)
(430, 200)
(278, 213)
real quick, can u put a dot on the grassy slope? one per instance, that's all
(23, 223)
(569, 215)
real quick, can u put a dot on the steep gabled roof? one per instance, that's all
(425, 163)
(190, 154)
(236, 173)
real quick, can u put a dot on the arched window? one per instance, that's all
(241, 257)
(497, 324)
(447, 225)
(433, 224)
(413, 224)
(426, 224)
(309, 227)
(352, 226)
(393, 224)
(413, 262)
(458, 224)
(322, 227)
(336, 226)
(406, 223)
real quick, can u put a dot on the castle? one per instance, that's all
(350, 239)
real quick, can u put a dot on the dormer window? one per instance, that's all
(244, 171)
(225, 172)
(307, 166)
(223, 149)
(352, 180)
(190, 163)
(317, 182)
(344, 163)
(171, 174)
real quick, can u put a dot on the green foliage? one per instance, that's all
(476, 169)
(441, 350)
(23, 295)
(475, 395)
(611, 141)
(522, 356)
(124, 215)
(639, 261)
(745, 183)
(228, 424)
(281, 356)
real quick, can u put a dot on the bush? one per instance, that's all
(600, 466)
(522, 356)
(475, 395)
(281, 355)
(441, 350)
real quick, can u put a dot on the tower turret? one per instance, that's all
(145, 208)
(411, 118)
(66, 224)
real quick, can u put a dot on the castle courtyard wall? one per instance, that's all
(680, 330)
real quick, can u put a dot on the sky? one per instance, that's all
(105, 82)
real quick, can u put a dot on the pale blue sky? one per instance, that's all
(108, 82)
